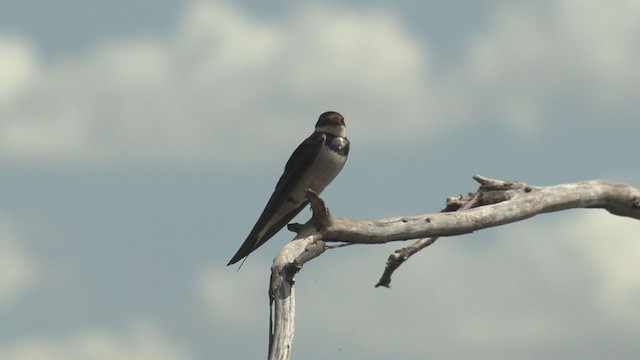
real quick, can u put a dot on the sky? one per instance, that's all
(139, 142)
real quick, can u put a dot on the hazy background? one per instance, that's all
(139, 142)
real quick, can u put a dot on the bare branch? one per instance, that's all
(304, 247)
(491, 191)
(321, 214)
(495, 203)
(401, 255)
(524, 201)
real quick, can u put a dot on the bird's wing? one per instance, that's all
(296, 166)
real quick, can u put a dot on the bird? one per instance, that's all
(313, 165)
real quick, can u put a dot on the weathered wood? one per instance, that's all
(495, 203)
(289, 261)
(524, 202)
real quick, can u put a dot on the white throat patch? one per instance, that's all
(336, 130)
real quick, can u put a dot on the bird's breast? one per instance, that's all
(322, 171)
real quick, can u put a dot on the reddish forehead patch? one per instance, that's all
(335, 117)
(330, 118)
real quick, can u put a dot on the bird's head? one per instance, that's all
(331, 122)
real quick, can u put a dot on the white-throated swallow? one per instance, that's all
(314, 164)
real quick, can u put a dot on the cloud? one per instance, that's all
(610, 244)
(562, 286)
(228, 301)
(17, 268)
(538, 60)
(223, 78)
(140, 341)
(532, 287)
(17, 67)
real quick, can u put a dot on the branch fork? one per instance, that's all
(495, 203)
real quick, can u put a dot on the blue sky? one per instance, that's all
(139, 143)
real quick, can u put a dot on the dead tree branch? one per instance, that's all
(495, 203)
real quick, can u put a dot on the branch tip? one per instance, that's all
(320, 212)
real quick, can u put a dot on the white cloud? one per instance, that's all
(228, 300)
(223, 78)
(611, 246)
(17, 268)
(17, 67)
(537, 284)
(561, 284)
(139, 341)
(537, 58)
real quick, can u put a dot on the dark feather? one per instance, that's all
(298, 163)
